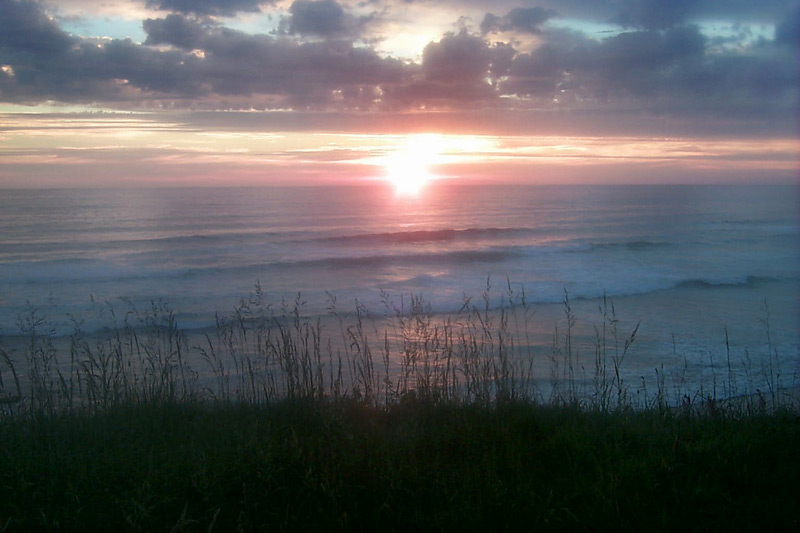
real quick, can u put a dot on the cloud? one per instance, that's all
(665, 73)
(225, 8)
(457, 71)
(176, 30)
(787, 32)
(24, 27)
(206, 66)
(456, 58)
(745, 11)
(324, 18)
(647, 50)
(521, 19)
(188, 61)
(629, 64)
(235, 62)
(653, 14)
(314, 74)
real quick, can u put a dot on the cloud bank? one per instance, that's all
(225, 8)
(657, 59)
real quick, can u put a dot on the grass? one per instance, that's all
(319, 465)
(262, 354)
(404, 420)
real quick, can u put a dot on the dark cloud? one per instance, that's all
(456, 58)
(643, 64)
(176, 30)
(207, 65)
(666, 73)
(29, 43)
(324, 18)
(24, 27)
(303, 74)
(732, 83)
(107, 72)
(225, 8)
(661, 14)
(535, 74)
(628, 64)
(311, 74)
(746, 11)
(457, 71)
(521, 19)
(562, 63)
(787, 32)
(653, 14)
(668, 70)
(647, 50)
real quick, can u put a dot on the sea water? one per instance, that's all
(687, 263)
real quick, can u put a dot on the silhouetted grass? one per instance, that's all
(311, 465)
(404, 420)
(262, 354)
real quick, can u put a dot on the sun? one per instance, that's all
(408, 168)
(407, 173)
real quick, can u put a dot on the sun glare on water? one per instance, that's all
(408, 168)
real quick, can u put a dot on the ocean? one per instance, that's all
(686, 263)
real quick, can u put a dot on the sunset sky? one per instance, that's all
(250, 92)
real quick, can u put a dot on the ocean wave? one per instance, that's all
(122, 243)
(445, 293)
(421, 259)
(634, 246)
(80, 270)
(747, 281)
(65, 271)
(415, 236)
(223, 237)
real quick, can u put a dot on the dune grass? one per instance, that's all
(263, 353)
(404, 420)
(305, 465)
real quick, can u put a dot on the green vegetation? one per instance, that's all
(344, 465)
(478, 355)
(405, 421)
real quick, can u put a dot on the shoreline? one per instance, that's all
(658, 363)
